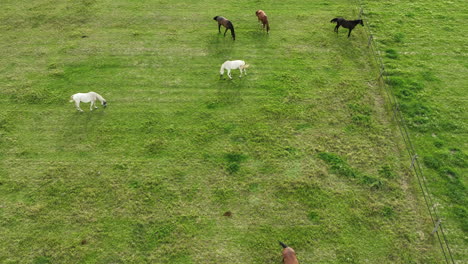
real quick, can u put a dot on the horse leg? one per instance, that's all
(219, 28)
(91, 106)
(349, 33)
(229, 74)
(225, 31)
(336, 28)
(77, 104)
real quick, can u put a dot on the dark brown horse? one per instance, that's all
(227, 24)
(289, 255)
(262, 17)
(350, 24)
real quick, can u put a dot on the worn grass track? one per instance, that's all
(301, 150)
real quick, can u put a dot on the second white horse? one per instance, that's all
(233, 65)
(86, 98)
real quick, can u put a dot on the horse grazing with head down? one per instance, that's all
(227, 24)
(86, 98)
(262, 17)
(350, 24)
(232, 65)
(289, 255)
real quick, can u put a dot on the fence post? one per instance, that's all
(436, 227)
(370, 40)
(415, 156)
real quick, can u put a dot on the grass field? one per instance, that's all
(427, 68)
(184, 167)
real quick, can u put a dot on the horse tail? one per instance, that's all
(231, 26)
(267, 26)
(283, 244)
(334, 20)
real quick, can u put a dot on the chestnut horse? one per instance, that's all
(289, 255)
(350, 24)
(227, 24)
(262, 17)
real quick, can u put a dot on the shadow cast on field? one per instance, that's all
(78, 125)
(228, 92)
(220, 46)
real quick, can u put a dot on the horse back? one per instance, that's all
(221, 20)
(338, 20)
(289, 256)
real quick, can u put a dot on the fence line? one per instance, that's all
(400, 120)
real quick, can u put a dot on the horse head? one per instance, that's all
(104, 104)
(215, 18)
(361, 22)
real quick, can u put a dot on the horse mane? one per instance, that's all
(231, 27)
(100, 98)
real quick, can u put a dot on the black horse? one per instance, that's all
(227, 24)
(350, 24)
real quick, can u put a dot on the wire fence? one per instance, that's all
(415, 166)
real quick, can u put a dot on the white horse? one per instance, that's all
(86, 98)
(232, 65)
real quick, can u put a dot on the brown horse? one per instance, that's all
(227, 24)
(289, 255)
(350, 24)
(262, 17)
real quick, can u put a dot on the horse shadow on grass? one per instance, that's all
(228, 93)
(219, 46)
(79, 126)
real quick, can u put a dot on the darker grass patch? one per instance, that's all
(42, 260)
(147, 236)
(462, 214)
(234, 161)
(155, 146)
(387, 172)
(391, 54)
(340, 167)
(337, 164)
(372, 182)
(5, 123)
(310, 195)
(399, 37)
(313, 216)
(347, 255)
(361, 115)
(223, 195)
(446, 165)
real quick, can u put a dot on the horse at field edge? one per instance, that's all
(349, 24)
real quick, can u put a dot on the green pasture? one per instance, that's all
(185, 167)
(427, 70)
